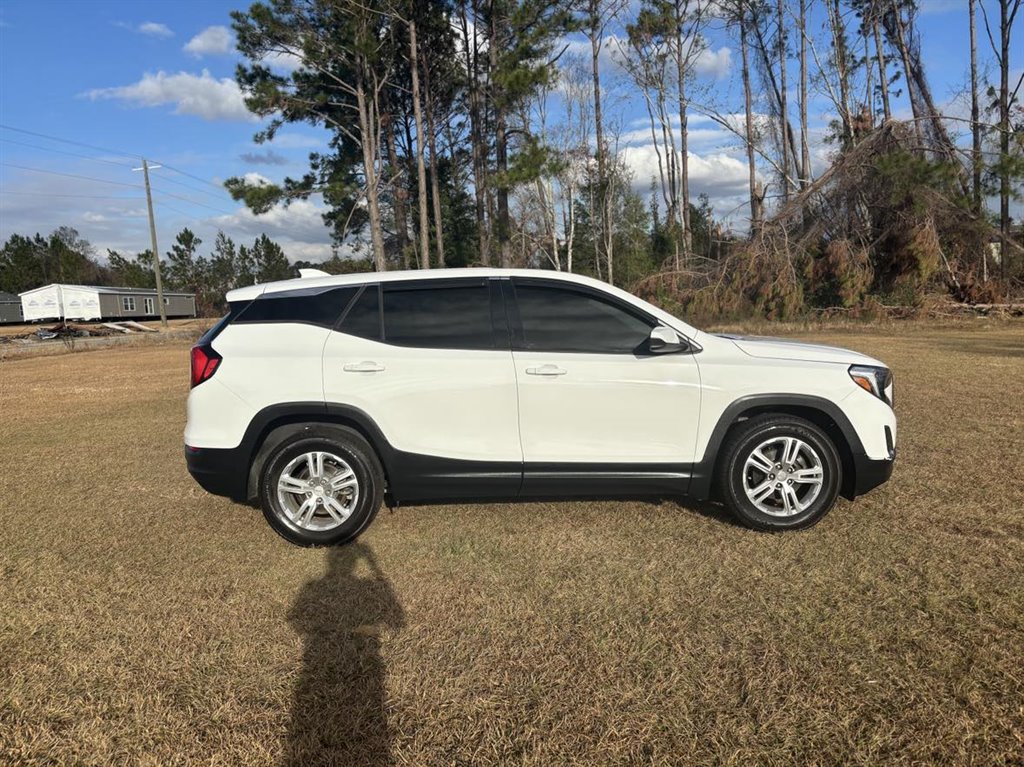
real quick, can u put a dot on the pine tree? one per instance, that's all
(269, 261)
(182, 270)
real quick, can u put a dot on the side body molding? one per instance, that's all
(415, 478)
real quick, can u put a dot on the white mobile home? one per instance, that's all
(91, 302)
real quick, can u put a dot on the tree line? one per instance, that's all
(491, 132)
(64, 256)
(444, 150)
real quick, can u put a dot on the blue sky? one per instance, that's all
(155, 79)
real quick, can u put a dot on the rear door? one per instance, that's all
(598, 413)
(429, 362)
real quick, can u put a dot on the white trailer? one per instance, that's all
(54, 302)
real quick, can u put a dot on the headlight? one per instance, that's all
(877, 381)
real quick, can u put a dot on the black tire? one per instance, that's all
(347, 444)
(742, 442)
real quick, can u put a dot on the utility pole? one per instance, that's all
(152, 240)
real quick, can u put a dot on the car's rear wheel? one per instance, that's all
(322, 487)
(779, 472)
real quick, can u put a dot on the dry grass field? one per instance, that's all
(145, 622)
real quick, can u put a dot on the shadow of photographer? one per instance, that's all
(339, 713)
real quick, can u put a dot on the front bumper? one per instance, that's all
(871, 473)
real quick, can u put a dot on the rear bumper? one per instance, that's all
(218, 471)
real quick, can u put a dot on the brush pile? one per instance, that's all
(886, 225)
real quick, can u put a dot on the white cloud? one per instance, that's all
(211, 41)
(299, 228)
(256, 179)
(307, 251)
(286, 62)
(715, 64)
(704, 135)
(717, 175)
(710, 63)
(154, 29)
(201, 95)
(301, 221)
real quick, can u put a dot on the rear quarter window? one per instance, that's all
(321, 308)
(234, 309)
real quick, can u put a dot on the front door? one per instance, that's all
(429, 362)
(598, 414)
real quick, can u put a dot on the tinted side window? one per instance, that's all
(448, 317)
(560, 320)
(314, 309)
(363, 318)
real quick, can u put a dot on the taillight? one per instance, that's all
(204, 363)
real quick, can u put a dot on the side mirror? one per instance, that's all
(664, 340)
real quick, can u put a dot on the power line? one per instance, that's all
(163, 204)
(70, 175)
(61, 151)
(193, 188)
(108, 150)
(114, 152)
(195, 178)
(219, 189)
(193, 202)
(83, 196)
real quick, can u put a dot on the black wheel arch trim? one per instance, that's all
(856, 464)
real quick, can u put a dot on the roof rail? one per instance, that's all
(305, 274)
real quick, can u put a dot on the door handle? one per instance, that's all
(367, 366)
(546, 370)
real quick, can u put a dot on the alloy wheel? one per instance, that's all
(317, 491)
(783, 476)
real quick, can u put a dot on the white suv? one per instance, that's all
(322, 396)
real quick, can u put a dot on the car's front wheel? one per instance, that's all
(322, 487)
(779, 472)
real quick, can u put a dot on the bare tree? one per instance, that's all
(399, 194)
(1007, 15)
(883, 76)
(777, 94)
(783, 96)
(689, 18)
(928, 123)
(575, 150)
(841, 64)
(599, 14)
(646, 58)
(435, 185)
(805, 152)
(976, 158)
(756, 192)
(468, 18)
(421, 168)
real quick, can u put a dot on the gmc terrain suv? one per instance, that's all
(323, 396)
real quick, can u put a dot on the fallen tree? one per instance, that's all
(886, 220)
